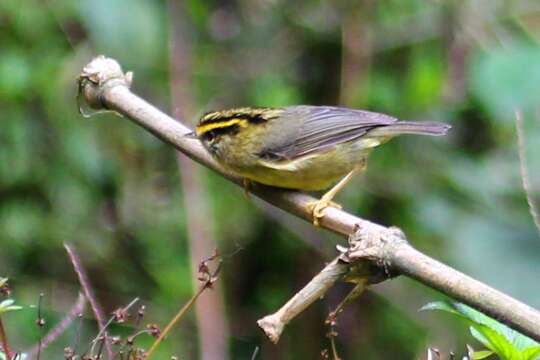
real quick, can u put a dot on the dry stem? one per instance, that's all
(210, 279)
(61, 327)
(525, 179)
(4, 341)
(88, 292)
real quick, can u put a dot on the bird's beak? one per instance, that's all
(191, 135)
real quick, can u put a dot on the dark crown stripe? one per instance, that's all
(253, 115)
(222, 118)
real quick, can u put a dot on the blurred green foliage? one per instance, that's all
(114, 191)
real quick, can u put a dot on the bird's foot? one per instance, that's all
(317, 208)
(246, 184)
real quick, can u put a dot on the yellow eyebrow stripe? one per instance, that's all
(201, 129)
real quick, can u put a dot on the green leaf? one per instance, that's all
(441, 305)
(531, 353)
(495, 341)
(482, 354)
(518, 340)
(505, 342)
(7, 305)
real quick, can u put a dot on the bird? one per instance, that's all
(302, 147)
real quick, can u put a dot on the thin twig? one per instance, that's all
(77, 337)
(61, 327)
(173, 322)
(40, 322)
(255, 353)
(358, 289)
(331, 320)
(207, 285)
(101, 343)
(102, 333)
(4, 341)
(525, 179)
(88, 292)
(334, 347)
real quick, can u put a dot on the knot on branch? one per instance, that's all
(100, 75)
(368, 252)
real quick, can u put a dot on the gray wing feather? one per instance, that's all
(324, 127)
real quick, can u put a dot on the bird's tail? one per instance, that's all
(411, 127)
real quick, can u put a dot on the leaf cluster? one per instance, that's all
(500, 340)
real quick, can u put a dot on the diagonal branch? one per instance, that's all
(89, 293)
(105, 86)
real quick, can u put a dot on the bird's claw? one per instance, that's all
(317, 208)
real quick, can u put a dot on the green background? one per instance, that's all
(114, 191)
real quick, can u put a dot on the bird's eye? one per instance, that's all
(210, 136)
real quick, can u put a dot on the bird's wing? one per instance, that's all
(321, 128)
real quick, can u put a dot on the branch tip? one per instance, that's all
(98, 76)
(273, 326)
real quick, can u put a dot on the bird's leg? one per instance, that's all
(246, 184)
(317, 207)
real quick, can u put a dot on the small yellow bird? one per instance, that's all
(301, 147)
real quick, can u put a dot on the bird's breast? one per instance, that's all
(310, 173)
